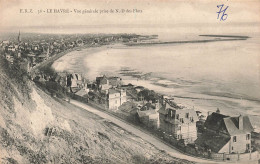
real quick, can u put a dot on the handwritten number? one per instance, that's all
(223, 16)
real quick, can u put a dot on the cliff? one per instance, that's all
(37, 128)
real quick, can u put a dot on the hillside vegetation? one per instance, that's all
(36, 128)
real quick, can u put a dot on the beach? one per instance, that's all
(203, 76)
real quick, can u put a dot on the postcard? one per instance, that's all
(120, 81)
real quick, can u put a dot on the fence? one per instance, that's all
(235, 157)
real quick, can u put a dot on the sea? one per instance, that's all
(205, 76)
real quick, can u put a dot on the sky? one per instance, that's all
(155, 13)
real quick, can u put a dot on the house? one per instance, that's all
(81, 95)
(74, 81)
(148, 115)
(115, 81)
(180, 122)
(103, 83)
(11, 48)
(225, 134)
(128, 111)
(116, 98)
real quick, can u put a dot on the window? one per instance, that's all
(179, 127)
(177, 117)
(181, 120)
(187, 115)
(179, 136)
(235, 139)
(247, 136)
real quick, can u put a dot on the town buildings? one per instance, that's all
(104, 83)
(225, 134)
(180, 122)
(116, 98)
(148, 115)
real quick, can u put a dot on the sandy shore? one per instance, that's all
(72, 58)
(74, 62)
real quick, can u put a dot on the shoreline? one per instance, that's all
(60, 64)
(202, 102)
(56, 57)
(184, 42)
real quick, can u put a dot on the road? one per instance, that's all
(149, 138)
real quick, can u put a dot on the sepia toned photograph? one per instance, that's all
(129, 82)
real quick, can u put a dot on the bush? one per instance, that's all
(148, 95)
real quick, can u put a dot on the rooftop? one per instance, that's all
(227, 124)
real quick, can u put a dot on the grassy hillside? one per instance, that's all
(35, 128)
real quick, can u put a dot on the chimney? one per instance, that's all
(162, 100)
(240, 122)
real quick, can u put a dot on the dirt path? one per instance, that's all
(160, 145)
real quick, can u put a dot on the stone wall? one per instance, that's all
(235, 157)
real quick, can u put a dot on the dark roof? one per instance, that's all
(127, 107)
(147, 106)
(212, 141)
(127, 86)
(215, 122)
(139, 87)
(227, 124)
(98, 79)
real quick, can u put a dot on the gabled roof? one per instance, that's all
(165, 108)
(227, 124)
(232, 125)
(82, 93)
(98, 79)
